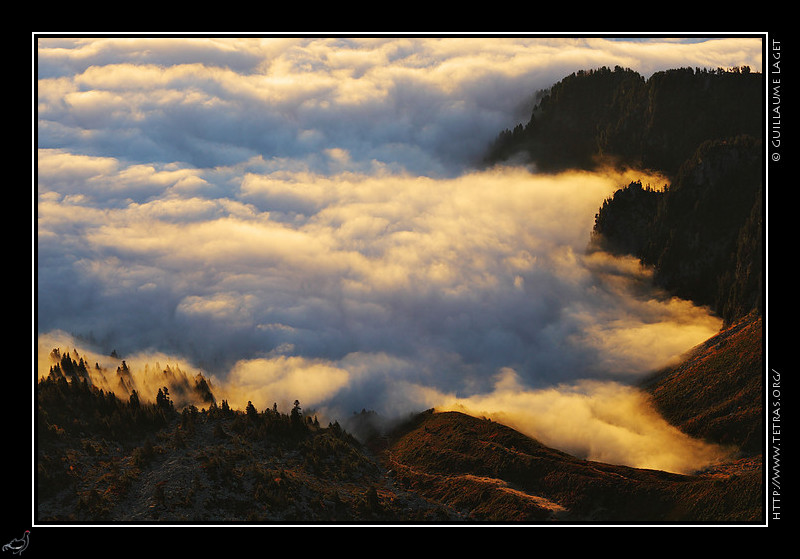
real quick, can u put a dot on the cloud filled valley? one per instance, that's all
(301, 218)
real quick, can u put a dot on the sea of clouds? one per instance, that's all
(304, 218)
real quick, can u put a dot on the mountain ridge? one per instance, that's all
(702, 232)
(232, 466)
(600, 116)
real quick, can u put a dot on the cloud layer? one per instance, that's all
(300, 219)
(420, 105)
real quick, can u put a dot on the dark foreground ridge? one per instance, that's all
(222, 465)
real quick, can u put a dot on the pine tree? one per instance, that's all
(162, 400)
(134, 400)
(251, 411)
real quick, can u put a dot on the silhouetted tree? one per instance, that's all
(162, 400)
(251, 411)
(134, 400)
(296, 413)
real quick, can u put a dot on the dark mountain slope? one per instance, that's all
(702, 129)
(103, 459)
(606, 116)
(702, 235)
(716, 393)
(215, 465)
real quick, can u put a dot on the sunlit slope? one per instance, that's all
(716, 393)
(496, 474)
(502, 475)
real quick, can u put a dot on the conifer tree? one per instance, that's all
(251, 411)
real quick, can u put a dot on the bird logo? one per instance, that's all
(18, 545)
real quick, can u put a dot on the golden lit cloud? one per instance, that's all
(283, 380)
(52, 164)
(601, 421)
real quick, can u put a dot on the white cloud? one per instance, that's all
(426, 105)
(491, 267)
(300, 217)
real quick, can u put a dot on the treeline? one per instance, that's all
(93, 448)
(74, 407)
(121, 381)
(608, 116)
(68, 404)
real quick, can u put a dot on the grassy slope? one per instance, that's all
(716, 393)
(494, 473)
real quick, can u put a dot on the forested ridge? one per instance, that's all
(606, 116)
(703, 235)
(108, 459)
(703, 232)
(142, 458)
